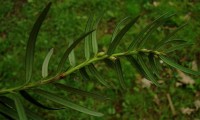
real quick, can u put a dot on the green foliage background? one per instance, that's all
(66, 21)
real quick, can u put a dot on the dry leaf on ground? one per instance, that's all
(185, 79)
(197, 104)
(146, 83)
(187, 111)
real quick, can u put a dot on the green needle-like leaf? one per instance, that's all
(19, 107)
(94, 36)
(118, 27)
(94, 72)
(120, 35)
(152, 63)
(147, 30)
(135, 64)
(9, 103)
(69, 49)
(167, 38)
(148, 72)
(177, 47)
(6, 116)
(88, 39)
(118, 69)
(29, 98)
(177, 66)
(84, 74)
(46, 64)
(80, 92)
(72, 59)
(10, 113)
(170, 42)
(31, 43)
(64, 102)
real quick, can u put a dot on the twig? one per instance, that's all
(171, 104)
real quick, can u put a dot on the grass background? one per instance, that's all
(66, 21)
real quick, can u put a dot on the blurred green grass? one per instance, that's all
(67, 20)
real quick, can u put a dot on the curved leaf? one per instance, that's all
(46, 63)
(135, 64)
(177, 47)
(120, 35)
(29, 98)
(72, 59)
(64, 102)
(117, 27)
(84, 74)
(88, 39)
(69, 49)
(94, 72)
(31, 43)
(174, 41)
(80, 92)
(94, 36)
(7, 116)
(153, 65)
(134, 44)
(148, 72)
(118, 69)
(177, 66)
(167, 38)
(8, 112)
(19, 107)
(9, 103)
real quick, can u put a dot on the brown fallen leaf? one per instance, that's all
(185, 79)
(194, 65)
(156, 100)
(197, 104)
(146, 83)
(178, 84)
(187, 111)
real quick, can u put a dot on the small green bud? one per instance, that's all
(100, 54)
(112, 58)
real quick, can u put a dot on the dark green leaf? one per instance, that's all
(88, 39)
(177, 66)
(153, 65)
(118, 69)
(109, 63)
(135, 64)
(84, 74)
(118, 27)
(120, 35)
(9, 112)
(148, 72)
(29, 98)
(134, 44)
(46, 64)
(64, 102)
(94, 36)
(6, 116)
(151, 30)
(9, 103)
(170, 42)
(167, 38)
(94, 72)
(69, 49)
(72, 59)
(31, 43)
(19, 107)
(177, 47)
(80, 92)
